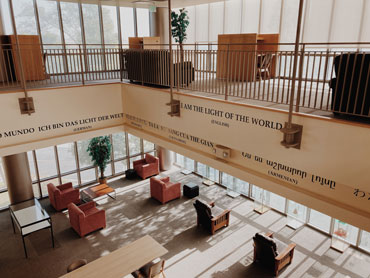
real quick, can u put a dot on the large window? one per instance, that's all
(83, 156)
(91, 23)
(67, 157)
(142, 22)
(49, 22)
(110, 25)
(61, 163)
(277, 202)
(119, 145)
(134, 145)
(46, 162)
(71, 23)
(127, 23)
(319, 220)
(365, 241)
(25, 20)
(235, 184)
(2, 177)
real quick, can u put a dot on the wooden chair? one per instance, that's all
(153, 269)
(76, 264)
(273, 254)
(264, 65)
(211, 216)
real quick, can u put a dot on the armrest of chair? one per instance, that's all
(96, 216)
(173, 186)
(165, 179)
(64, 186)
(74, 191)
(87, 206)
(53, 188)
(225, 213)
(288, 251)
(212, 204)
(270, 234)
(138, 162)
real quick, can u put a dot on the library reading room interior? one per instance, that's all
(185, 139)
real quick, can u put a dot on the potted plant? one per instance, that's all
(179, 24)
(100, 149)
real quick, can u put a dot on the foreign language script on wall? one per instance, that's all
(253, 136)
(60, 112)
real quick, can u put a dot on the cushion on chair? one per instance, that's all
(280, 246)
(91, 211)
(204, 205)
(216, 211)
(267, 241)
(68, 190)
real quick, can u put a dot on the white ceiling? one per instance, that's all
(145, 3)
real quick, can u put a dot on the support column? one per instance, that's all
(18, 177)
(159, 24)
(165, 158)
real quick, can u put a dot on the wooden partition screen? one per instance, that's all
(144, 42)
(241, 60)
(32, 58)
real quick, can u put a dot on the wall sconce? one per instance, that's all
(222, 151)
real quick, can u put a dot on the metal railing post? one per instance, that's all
(300, 72)
(82, 66)
(174, 104)
(177, 68)
(26, 104)
(227, 71)
(293, 132)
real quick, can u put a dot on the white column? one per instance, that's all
(166, 158)
(18, 177)
(159, 24)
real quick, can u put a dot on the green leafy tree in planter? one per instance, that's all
(180, 23)
(100, 149)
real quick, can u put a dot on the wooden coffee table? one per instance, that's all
(96, 191)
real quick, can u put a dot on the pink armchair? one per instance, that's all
(86, 218)
(60, 196)
(163, 190)
(149, 166)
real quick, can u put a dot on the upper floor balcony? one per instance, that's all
(330, 79)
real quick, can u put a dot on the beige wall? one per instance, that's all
(323, 174)
(62, 115)
(331, 164)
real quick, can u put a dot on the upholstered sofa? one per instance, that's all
(164, 190)
(86, 218)
(210, 216)
(151, 66)
(351, 86)
(272, 253)
(149, 166)
(60, 196)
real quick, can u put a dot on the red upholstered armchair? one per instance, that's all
(163, 190)
(86, 218)
(149, 166)
(60, 196)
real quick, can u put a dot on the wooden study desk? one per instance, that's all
(237, 55)
(123, 261)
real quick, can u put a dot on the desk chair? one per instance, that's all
(264, 65)
(151, 270)
(76, 264)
